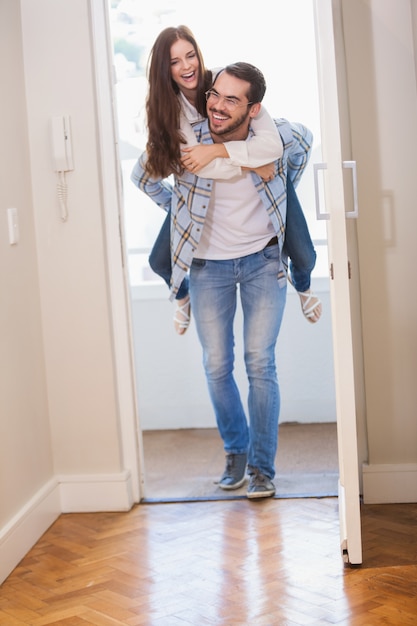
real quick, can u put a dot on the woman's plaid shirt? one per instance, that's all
(188, 197)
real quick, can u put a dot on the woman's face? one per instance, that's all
(184, 65)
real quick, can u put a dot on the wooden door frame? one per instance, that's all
(118, 281)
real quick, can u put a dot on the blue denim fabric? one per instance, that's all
(160, 258)
(297, 244)
(213, 290)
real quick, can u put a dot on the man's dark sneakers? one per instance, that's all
(260, 486)
(234, 474)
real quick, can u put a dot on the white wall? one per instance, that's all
(76, 325)
(62, 443)
(26, 459)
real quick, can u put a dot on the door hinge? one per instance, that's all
(331, 270)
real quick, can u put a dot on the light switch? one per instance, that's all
(13, 226)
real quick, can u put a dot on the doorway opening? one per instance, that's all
(171, 390)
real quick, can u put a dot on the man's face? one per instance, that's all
(228, 109)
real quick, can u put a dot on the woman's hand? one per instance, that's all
(196, 157)
(266, 172)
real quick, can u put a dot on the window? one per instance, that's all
(281, 42)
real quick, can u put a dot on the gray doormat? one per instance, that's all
(186, 464)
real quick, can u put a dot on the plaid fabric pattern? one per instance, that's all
(188, 195)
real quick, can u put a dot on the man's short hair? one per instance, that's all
(252, 75)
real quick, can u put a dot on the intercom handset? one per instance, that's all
(61, 144)
(62, 159)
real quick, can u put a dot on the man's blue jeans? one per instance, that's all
(213, 290)
(298, 247)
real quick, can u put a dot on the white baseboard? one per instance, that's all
(62, 494)
(385, 484)
(96, 493)
(27, 526)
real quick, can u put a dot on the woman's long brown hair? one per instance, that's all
(163, 106)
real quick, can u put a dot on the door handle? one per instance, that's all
(316, 168)
(347, 165)
(352, 165)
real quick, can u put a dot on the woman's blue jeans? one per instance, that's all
(298, 247)
(160, 258)
(213, 290)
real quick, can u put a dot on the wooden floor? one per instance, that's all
(272, 562)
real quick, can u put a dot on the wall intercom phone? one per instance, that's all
(61, 143)
(62, 159)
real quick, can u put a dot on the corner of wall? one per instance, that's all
(62, 494)
(27, 526)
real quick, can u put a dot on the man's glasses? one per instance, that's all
(230, 103)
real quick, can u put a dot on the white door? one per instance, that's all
(331, 176)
